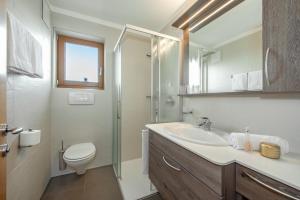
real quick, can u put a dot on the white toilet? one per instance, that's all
(79, 156)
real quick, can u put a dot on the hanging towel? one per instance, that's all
(255, 80)
(239, 82)
(237, 141)
(145, 151)
(24, 51)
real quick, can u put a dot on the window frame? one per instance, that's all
(61, 51)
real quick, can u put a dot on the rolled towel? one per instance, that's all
(237, 141)
(239, 82)
(255, 80)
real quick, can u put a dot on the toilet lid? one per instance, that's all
(80, 151)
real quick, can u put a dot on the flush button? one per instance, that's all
(81, 98)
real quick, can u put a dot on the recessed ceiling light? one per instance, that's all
(196, 13)
(211, 14)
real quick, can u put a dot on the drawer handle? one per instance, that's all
(175, 168)
(268, 186)
(267, 66)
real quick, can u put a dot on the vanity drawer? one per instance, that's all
(173, 181)
(205, 171)
(255, 186)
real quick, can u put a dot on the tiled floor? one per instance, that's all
(99, 183)
(96, 184)
(153, 197)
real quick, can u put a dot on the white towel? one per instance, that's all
(237, 141)
(24, 51)
(239, 82)
(145, 151)
(255, 80)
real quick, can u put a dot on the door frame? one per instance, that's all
(3, 78)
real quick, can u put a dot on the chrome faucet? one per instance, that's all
(204, 123)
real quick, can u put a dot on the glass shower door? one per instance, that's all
(165, 80)
(165, 101)
(155, 81)
(117, 114)
(169, 80)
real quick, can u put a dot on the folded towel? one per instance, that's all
(255, 80)
(145, 151)
(24, 55)
(237, 141)
(239, 82)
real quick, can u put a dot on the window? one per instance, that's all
(80, 63)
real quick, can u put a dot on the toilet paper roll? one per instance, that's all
(30, 138)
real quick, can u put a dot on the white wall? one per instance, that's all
(269, 114)
(77, 124)
(28, 106)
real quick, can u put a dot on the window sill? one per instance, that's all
(79, 87)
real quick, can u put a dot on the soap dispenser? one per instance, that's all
(247, 144)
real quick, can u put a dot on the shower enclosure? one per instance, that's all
(146, 88)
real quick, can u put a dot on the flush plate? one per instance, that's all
(81, 98)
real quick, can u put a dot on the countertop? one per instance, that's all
(285, 170)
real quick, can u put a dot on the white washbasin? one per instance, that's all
(198, 135)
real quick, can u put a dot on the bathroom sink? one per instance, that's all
(198, 135)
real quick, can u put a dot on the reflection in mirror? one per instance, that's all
(226, 54)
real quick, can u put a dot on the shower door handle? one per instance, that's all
(118, 111)
(119, 103)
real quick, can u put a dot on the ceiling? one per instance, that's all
(243, 18)
(151, 14)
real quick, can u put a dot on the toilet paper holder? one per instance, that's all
(29, 138)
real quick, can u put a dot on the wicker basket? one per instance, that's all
(270, 150)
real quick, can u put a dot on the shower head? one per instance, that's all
(208, 53)
(148, 55)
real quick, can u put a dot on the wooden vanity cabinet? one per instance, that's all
(254, 186)
(281, 45)
(180, 174)
(173, 181)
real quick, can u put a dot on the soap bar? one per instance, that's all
(270, 150)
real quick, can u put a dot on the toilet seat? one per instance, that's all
(79, 152)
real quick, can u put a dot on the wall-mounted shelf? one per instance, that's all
(288, 94)
(223, 94)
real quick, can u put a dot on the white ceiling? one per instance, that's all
(151, 14)
(243, 18)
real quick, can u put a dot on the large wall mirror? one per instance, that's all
(225, 54)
